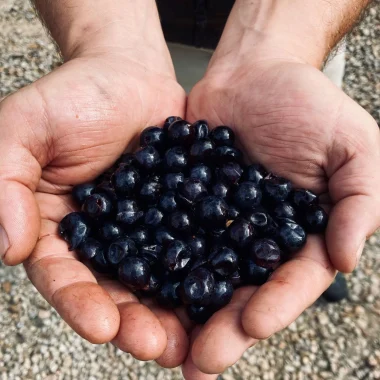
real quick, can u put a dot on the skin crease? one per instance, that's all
(72, 124)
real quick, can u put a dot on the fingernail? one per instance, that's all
(359, 251)
(4, 242)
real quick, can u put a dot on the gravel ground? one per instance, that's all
(326, 342)
(362, 79)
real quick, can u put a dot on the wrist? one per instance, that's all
(88, 27)
(295, 30)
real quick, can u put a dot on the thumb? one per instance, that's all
(355, 192)
(20, 173)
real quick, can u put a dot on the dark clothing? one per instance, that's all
(194, 22)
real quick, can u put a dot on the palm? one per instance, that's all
(279, 117)
(86, 114)
(95, 107)
(290, 118)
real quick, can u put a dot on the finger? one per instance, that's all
(354, 182)
(19, 222)
(20, 171)
(293, 287)
(140, 333)
(71, 289)
(352, 221)
(183, 317)
(222, 340)
(356, 214)
(189, 370)
(177, 341)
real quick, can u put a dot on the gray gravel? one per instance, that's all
(362, 77)
(326, 342)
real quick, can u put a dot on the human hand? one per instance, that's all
(289, 117)
(66, 129)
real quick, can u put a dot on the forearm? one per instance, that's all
(305, 29)
(97, 24)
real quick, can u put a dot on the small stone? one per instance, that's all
(307, 369)
(373, 361)
(289, 368)
(372, 240)
(293, 326)
(359, 310)
(323, 364)
(305, 360)
(326, 375)
(51, 377)
(362, 323)
(226, 376)
(264, 366)
(67, 362)
(323, 318)
(251, 360)
(15, 309)
(7, 287)
(44, 314)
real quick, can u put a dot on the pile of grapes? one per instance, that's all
(185, 221)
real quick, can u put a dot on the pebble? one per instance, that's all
(373, 361)
(44, 314)
(323, 319)
(7, 286)
(14, 309)
(227, 377)
(333, 342)
(359, 310)
(372, 240)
